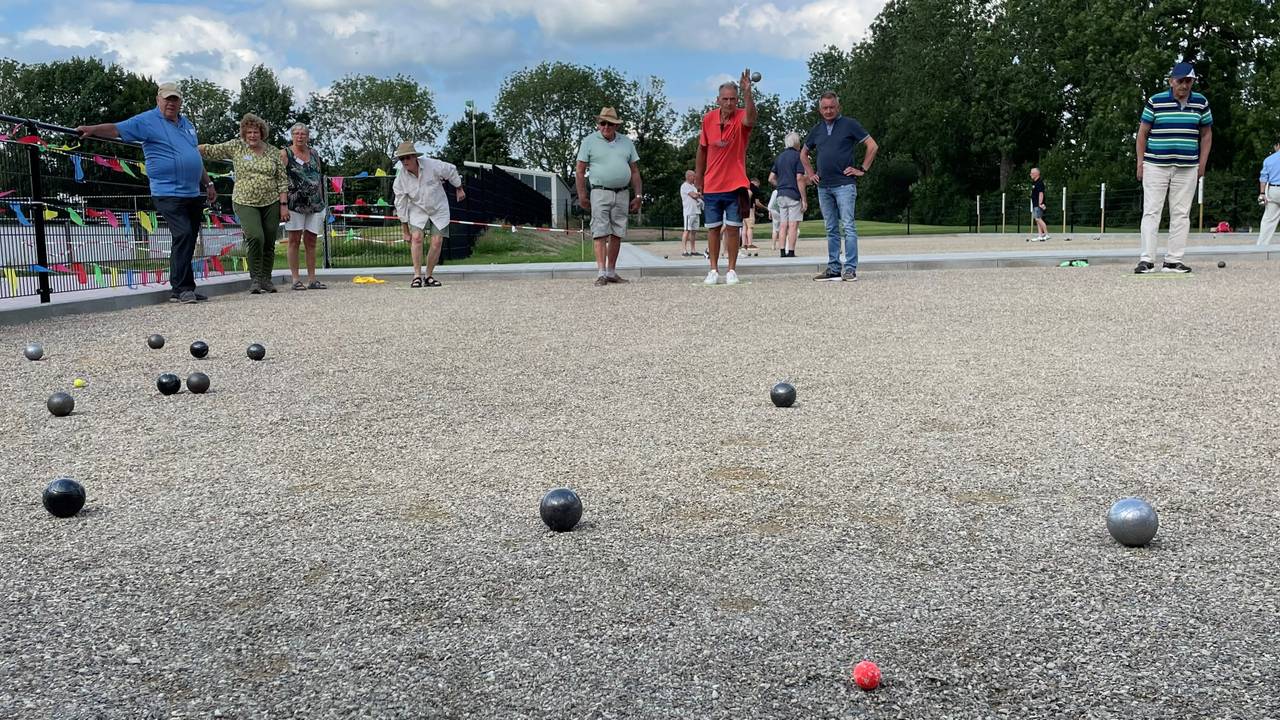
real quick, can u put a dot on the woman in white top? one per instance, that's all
(421, 202)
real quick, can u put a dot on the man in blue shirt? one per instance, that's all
(835, 139)
(177, 177)
(1175, 133)
(1269, 194)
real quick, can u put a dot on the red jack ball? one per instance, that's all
(867, 675)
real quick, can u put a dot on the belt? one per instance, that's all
(604, 187)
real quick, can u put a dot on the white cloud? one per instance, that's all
(798, 31)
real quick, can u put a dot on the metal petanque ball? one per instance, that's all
(1222, 263)
(256, 352)
(1132, 522)
(63, 497)
(168, 384)
(198, 382)
(561, 509)
(155, 342)
(33, 351)
(60, 404)
(199, 349)
(755, 77)
(783, 394)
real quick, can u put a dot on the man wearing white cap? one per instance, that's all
(610, 158)
(421, 202)
(176, 174)
(1174, 137)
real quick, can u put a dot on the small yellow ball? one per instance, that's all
(79, 383)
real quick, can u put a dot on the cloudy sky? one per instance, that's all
(461, 50)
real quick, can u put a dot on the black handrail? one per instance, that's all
(39, 125)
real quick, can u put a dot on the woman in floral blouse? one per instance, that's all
(260, 196)
(306, 203)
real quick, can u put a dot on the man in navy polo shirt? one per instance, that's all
(835, 139)
(1174, 137)
(177, 175)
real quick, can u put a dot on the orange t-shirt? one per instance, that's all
(726, 146)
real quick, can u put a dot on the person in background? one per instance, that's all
(789, 177)
(176, 176)
(420, 202)
(306, 204)
(1269, 195)
(260, 196)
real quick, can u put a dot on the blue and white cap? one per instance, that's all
(1182, 70)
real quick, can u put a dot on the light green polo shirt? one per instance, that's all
(608, 163)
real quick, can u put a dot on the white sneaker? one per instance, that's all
(713, 277)
(731, 278)
(1046, 238)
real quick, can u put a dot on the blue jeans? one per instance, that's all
(183, 215)
(837, 209)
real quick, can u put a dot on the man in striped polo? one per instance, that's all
(1174, 138)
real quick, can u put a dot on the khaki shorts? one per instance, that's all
(442, 232)
(609, 212)
(309, 222)
(788, 210)
(692, 222)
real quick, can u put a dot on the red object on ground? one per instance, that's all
(1224, 227)
(867, 675)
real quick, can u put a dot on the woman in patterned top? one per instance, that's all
(306, 203)
(260, 195)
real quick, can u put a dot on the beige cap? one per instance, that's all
(169, 89)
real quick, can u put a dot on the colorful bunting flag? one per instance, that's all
(40, 269)
(75, 160)
(32, 140)
(97, 275)
(339, 208)
(380, 173)
(217, 265)
(128, 278)
(111, 218)
(7, 192)
(336, 184)
(124, 167)
(114, 274)
(381, 203)
(50, 214)
(13, 280)
(145, 221)
(82, 276)
(22, 219)
(75, 217)
(143, 167)
(361, 174)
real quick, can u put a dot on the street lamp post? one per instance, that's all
(471, 110)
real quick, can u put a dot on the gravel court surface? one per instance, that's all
(350, 528)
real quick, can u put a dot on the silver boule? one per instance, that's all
(1132, 521)
(33, 351)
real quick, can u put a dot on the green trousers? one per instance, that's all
(261, 226)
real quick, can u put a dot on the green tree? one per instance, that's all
(262, 94)
(361, 119)
(490, 142)
(548, 109)
(208, 106)
(81, 90)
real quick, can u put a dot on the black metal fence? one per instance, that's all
(76, 214)
(1115, 208)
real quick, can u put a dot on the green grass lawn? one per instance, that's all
(382, 246)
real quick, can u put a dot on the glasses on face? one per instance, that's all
(605, 124)
(1184, 81)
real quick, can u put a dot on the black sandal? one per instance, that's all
(417, 283)
(432, 282)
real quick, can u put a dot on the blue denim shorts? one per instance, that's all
(721, 209)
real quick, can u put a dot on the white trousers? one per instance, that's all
(1270, 216)
(1179, 185)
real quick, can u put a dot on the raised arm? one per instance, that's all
(220, 151)
(102, 130)
(749, 103)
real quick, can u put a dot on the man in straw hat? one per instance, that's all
(177, 177)
(420, 202)
(609, 158)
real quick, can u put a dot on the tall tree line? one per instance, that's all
(964, 96)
